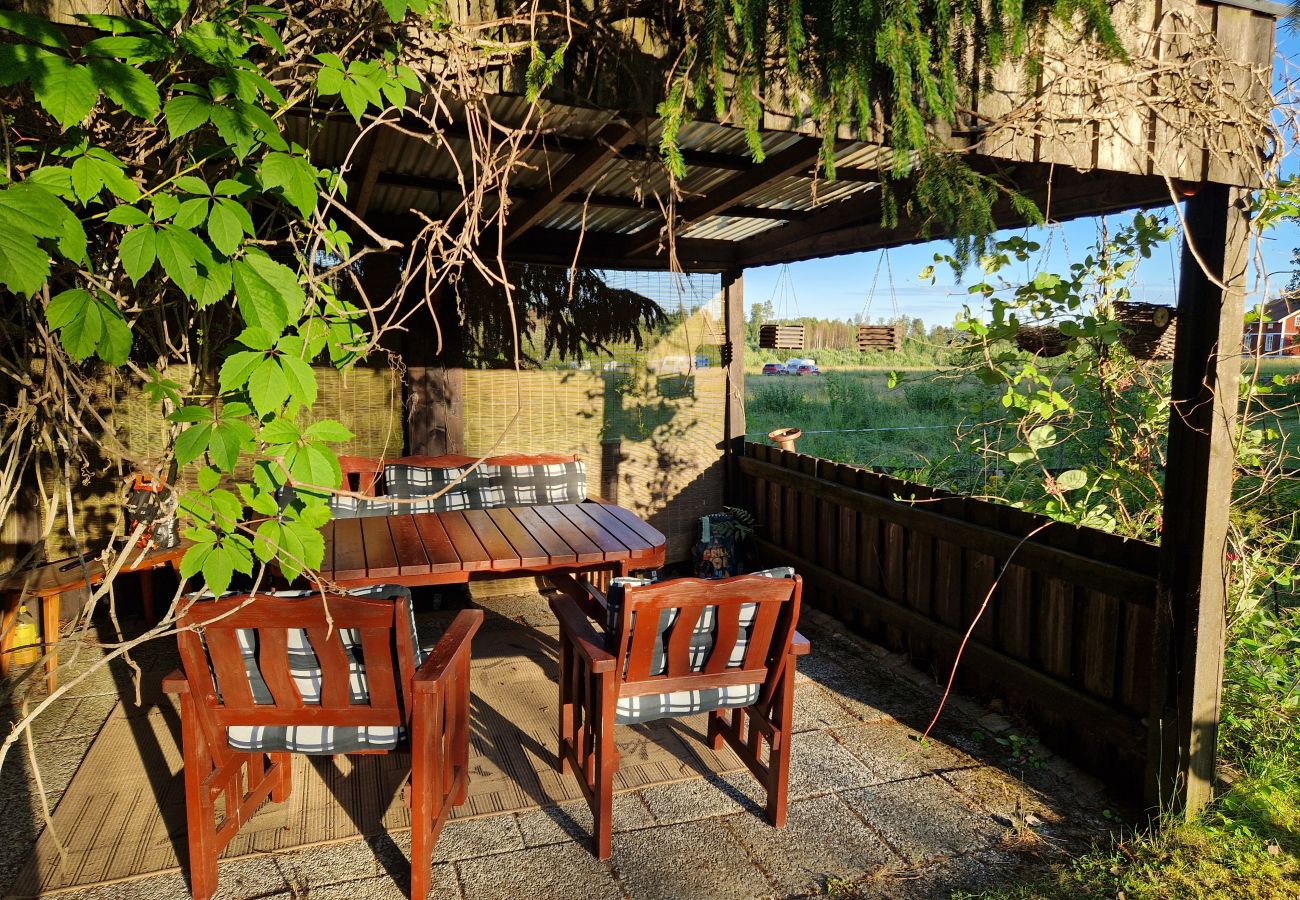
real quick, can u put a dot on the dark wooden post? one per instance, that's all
(733, 321)
(435, 402)
(1187, 669)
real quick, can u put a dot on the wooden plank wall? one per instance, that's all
(1065, 641)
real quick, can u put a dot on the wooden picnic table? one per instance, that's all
(48, 583)
(453, 547)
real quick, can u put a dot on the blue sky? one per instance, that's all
(840, 287)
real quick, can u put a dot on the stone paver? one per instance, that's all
(572, 821)
(819, 763)
(691, 861)
(924, 818)
(560, 870)
(893, 752)
(822, 838)
(815, 707)
(316, 867)
(478, 837)
(703, 798)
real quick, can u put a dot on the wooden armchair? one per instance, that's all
(676, 648)
(266, 676)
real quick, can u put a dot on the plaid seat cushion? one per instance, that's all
(414, 482)
(534, 485)
(632, 710)
(304, 667)
(647, 708)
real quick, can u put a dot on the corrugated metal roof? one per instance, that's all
(627, 192)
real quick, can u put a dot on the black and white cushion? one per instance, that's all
(649, 707)
(536, 485)
(304, 668)
(414, 482)
(342, 507)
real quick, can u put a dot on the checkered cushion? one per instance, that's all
(342, 507)
(631, 710)
(305, 669)
(535, 485)
(650, 707)
(412, 482)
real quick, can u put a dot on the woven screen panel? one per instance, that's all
(367, 400)
(649, 426)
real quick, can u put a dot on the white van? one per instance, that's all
(792, 365)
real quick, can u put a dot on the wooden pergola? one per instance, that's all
(1089, 136)
(586, 195)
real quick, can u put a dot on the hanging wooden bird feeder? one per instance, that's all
(879, 338)
(781, 337)
(1042, 340)
(1149, 329)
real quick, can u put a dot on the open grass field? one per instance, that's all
(927, 422)
(1246, 844)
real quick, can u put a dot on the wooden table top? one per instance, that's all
(448, 547)
(63, 575)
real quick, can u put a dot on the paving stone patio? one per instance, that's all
(872, 810)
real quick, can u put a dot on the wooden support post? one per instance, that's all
(733, 323)
(435, 398)
(1187, 671)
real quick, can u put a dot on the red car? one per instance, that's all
(773, 369)
(807, 370)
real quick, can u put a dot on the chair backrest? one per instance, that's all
(236, 653)
(690, 634)
(361, 474)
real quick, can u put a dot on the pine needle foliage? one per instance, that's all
(885, 70)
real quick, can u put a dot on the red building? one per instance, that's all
(1275, 336)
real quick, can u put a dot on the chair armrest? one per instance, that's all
(584, 638)
(799, 645)
(176, 683)
(449, 646)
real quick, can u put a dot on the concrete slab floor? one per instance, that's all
(873, 811)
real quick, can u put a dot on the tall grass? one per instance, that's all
(851, 416)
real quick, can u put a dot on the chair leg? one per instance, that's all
(606, 765)
(200, 814)
(565, 723)
(717, 719)
(426, 789)
(779, 762)
(283, 763)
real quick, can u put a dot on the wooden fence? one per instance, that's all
(1065, 640)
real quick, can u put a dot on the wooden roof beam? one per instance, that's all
(571, 176)
(791, 161)
(856, 226)
(375, 155)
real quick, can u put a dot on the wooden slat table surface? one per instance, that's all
(452, 547)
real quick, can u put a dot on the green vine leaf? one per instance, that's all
(186, 113)
(37, 29)
(127, 86)
(168, 12)
(294, 177)
(17, 60)
(65, 90)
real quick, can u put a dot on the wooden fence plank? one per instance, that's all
(1099, 647)
(1034, 553)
